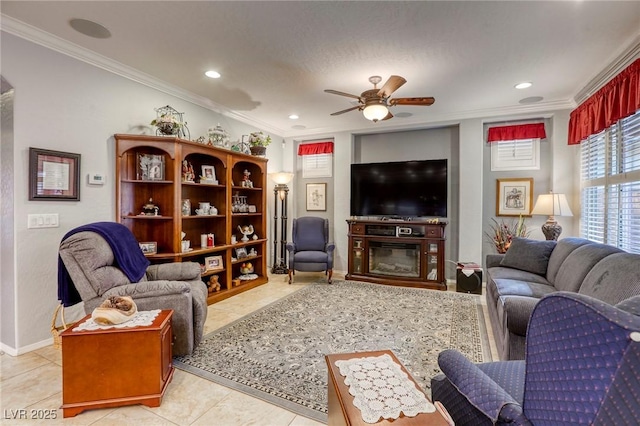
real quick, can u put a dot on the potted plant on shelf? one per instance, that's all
(258, 143)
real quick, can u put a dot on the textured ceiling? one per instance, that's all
(276, 58)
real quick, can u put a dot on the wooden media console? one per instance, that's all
(409, 253)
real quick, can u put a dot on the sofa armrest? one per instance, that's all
(479, 389)
(179, 271)
(518, 311)
(493, 260)
(150, 289)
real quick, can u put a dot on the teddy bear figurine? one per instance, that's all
(213, 285)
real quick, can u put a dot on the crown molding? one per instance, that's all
(50, 41)
(623, 60)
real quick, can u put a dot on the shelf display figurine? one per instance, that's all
(246, 182)
(188, 175)
(150, 209)
(218, 137)
(245, 230)
(213, 285)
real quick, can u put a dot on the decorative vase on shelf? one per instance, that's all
(259, 151)
(258, 143)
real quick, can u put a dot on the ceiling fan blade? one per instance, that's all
(347, 110)
(335, 92)
(388, 116)
(393, 84)
(412, 101)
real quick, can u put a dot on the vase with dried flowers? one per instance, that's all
(502, 233)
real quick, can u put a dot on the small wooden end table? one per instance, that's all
(116, 366)
(341, 408)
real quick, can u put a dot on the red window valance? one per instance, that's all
(618, 99)
(519, 131)
(315, 148)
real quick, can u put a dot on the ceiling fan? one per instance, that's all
(374, 103)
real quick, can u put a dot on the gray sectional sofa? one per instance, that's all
(531, 269)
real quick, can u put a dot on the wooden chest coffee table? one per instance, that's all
(341, 408)
(116, 366)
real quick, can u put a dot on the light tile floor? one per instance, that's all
(33, 381)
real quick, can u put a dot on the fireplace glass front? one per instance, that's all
(394, 259)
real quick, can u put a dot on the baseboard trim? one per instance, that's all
(25, 349)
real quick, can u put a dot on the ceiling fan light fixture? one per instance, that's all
(375, 112)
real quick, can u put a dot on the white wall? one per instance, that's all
(66, 105)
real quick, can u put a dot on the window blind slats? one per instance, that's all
(610, 181)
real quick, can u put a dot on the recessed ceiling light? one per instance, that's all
(523, 85)
(89, 28)
(212, 74)
(294, 117)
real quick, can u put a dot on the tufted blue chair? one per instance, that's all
(581, 367)
(310, 249)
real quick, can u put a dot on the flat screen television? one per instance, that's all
(403, 189)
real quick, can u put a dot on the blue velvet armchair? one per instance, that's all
(310, 249)
(582, 367)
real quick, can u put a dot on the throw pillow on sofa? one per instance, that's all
(528, 255)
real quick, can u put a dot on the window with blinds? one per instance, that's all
(610, 185)
(521, 154)
(317, 165)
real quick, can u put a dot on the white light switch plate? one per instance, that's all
(46, 220)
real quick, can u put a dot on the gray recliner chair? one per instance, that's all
(87, 260)
(310, 250)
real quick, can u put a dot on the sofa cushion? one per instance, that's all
(563, 249)
(529, 255)
(614, 278)
(508, 287)
(515, 274)
(578, 264)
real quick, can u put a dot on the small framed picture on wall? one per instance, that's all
(514, 197)
(53, 175)
(316, 197)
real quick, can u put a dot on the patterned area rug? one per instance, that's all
(277, 353)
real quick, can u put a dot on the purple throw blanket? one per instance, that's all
(127, 257)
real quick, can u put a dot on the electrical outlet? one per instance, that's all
(46, 220)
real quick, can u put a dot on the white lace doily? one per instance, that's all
(381, 389)
(140, 318)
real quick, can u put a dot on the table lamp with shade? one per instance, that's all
(281, 191)
(552, 205)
